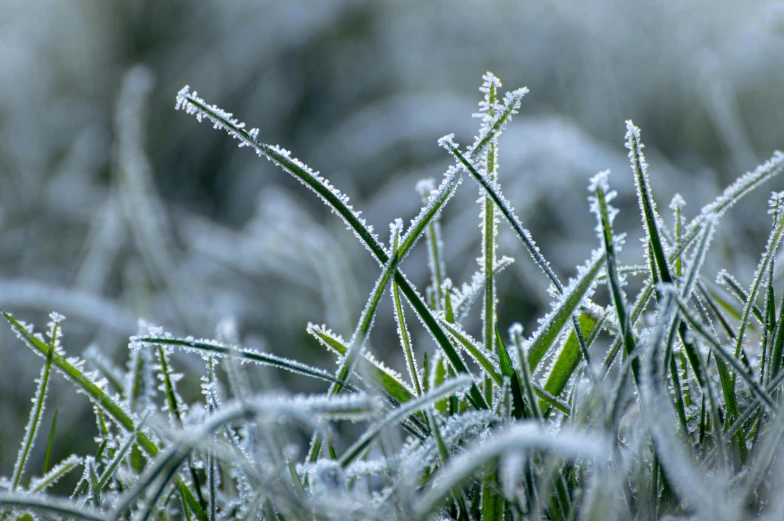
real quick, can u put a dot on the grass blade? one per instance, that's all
(34, 422)
(448, 388)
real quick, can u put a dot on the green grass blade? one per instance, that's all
(573, 297)
(50, 443)
(569, 357)
(34, 422)
(489, 226)
(448, 388)
(384, 377)
(651, 218)
(720, 351)
(520, 437)
(51, 505)
(93, 392)
(507, 369)
(38, 485)
(400, 317)
(516, 334)
(213, 348)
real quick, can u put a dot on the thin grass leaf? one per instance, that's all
(50, 443)
(384, 377)
(520, 437)
(524, 374)
(400, 317)
(94, 392)
(38, 485)
(605, 215)
(489, 226)
(339, 203)
(33, 423)
(569, 357)
(717, 348)
(448, 388)
(52, 505)
(651, 218)
(206, 347)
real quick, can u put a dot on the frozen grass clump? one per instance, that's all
(659, 404)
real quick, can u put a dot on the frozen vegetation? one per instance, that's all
(646, 391)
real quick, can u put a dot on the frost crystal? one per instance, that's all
(191, 103)
(677, 202)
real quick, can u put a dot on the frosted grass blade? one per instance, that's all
(523, 436)
(55, 506)
(449, 387)
(34, 422)
(205, 347)
(93, 391)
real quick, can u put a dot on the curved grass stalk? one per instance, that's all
(353, 407)
(54, 506)
(96, 395)
(492, 188)
(448, 388)
(486, 361)
(339, 203)
(34, 422)
(728, 357)
(400, 317)
(212, 348)
(523, 436)
(53, 475)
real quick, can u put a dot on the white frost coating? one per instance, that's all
(744, 185)
(776, 203)
(545, 323)
(245, 355)
(173, 403)
(193, 104)
(42, 388)
(698, 257)
(601, 182)
(677, 202)
(464, 297)
(38, 485)
(456, 429)
(425, 186)
(516, 331)
(641, 179)
(521, 437)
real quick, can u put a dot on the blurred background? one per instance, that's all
(114, 207)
